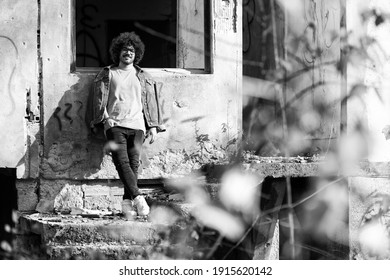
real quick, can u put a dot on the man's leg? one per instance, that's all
(134, 147)
(122, 162)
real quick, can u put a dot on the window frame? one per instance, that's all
(208, 44)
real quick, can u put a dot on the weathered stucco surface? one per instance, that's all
(18, 82)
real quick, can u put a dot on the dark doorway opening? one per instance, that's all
(8, 204)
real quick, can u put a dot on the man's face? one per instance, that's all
(127, 55)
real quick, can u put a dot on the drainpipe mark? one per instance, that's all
(40, 78)
(235, 16)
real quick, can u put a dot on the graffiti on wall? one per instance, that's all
(319, 17)
(6, 93)
(66, 145)
(249, 10)
(65, 114)
(319, 52)
(260, 35)
(85, 35)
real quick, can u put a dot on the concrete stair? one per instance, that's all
(65, 236)
(106, 237)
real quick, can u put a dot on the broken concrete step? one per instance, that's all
(115, 251)
(63, 230)
(100, 250)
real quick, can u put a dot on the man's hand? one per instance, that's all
(153, 134)
(111, 122)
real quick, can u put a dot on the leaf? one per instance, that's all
(386, 132)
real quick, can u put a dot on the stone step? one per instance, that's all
(116, 251)
(64, 229)
(110, 251)
(75, 237)
(163, 232)
(67, 195)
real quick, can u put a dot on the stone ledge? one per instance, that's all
(111, 237)
(114, 251)
(309, 167)
(61, 229)
(98, 251)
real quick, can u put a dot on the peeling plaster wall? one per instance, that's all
(18, 86)
(201, 110)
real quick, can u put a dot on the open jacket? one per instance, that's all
(150, 97)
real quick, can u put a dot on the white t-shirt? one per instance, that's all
(124, 104)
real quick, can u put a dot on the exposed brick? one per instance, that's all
(96, 190)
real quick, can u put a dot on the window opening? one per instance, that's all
(175, 33)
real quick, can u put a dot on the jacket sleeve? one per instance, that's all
(157, 90)
(95, 103)
(152, 105)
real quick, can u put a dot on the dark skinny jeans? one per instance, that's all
(126, 157)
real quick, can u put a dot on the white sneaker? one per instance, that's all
(141, 206)
(128, 209)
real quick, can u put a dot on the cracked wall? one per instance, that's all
(18, 85)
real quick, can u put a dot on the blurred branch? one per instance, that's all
(303, 71)
(316, 250)
(215, 247)
(277, 209)
(288, 180)
(296, 58)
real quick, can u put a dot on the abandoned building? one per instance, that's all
(263, 86)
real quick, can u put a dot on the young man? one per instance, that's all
(126, 102)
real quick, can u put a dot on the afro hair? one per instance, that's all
(127, 39)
